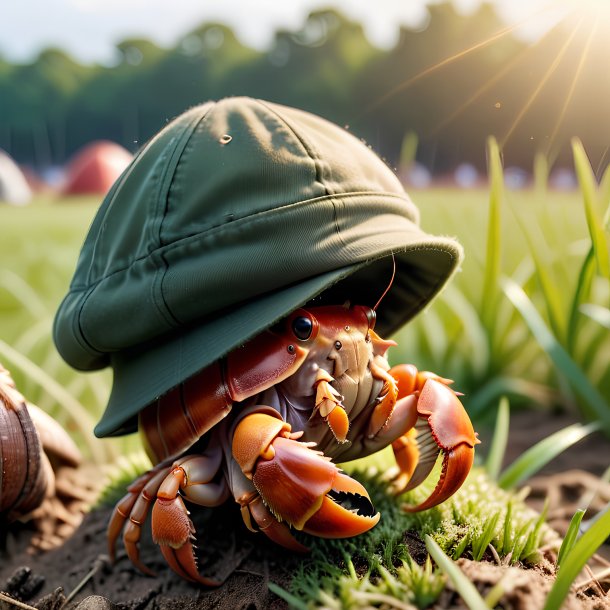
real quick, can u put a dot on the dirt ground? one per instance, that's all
(78, 575)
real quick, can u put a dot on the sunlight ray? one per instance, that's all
(449, 60)
(541, 85)
(572, 89)
(486, 86)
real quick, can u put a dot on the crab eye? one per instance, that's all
(372, 317)
(302, 327)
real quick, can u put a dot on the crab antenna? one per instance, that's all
(389, 285)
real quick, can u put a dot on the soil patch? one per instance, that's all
(248, 562)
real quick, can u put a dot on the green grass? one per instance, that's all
(549, 346)
(38, 253)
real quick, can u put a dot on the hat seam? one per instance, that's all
(162, 206)
(211, 231)
(307, 146)
(126, 174)
(78, 331)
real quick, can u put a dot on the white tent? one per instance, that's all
(14, 188)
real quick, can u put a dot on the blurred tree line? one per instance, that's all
(427, 84)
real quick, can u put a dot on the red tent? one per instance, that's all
(94, 168)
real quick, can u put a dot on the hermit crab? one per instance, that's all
(267, 425)
(228, 279)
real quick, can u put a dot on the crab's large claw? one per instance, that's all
(298, 484)
(443, 426)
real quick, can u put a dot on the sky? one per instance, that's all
(90, 29)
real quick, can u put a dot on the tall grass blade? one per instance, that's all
(581, 294)
(604, 195)
(80, 416)
(561, 359)
(541, 173)
(23, 293)
(465, 311)
(599, 314)
(542, 262)
(408, 150)
(570, 538)
(464, 587)
(493, 465)
(543, 452)
(575, 560)
(593, 213)
(494, 244)
(293, 601)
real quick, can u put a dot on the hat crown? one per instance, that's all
(220, 162)
(187, 197)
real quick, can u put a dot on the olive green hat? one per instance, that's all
(235, 214)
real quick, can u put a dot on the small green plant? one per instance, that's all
(575, 558)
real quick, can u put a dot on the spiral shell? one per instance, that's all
(24, 479)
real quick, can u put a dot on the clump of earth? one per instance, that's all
(78, 574)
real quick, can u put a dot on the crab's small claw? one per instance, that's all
(443, 427)
(298, 484)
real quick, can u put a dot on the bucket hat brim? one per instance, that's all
(423, 265)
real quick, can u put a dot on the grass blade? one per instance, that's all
(581, 293)
(463, 586)
(80, 416)
(493, 464)
(570, 538)
(599, 314)
(593, 214)
(542, 169)
(561, 359)
(532, 460)
(551, 292)
(293, 601)
(604, 195)
(496, 387)
(574, 562)
(479, 545)
(494, 234)
(23, 293)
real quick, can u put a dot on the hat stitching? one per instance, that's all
(113, 192)
(308, 147)
(78, 331)
(165, 184)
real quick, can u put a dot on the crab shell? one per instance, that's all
(178, 419)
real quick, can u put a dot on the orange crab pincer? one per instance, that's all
(267, 424)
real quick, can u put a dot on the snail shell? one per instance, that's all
(24, 471)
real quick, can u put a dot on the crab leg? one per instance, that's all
(297, 484)
(386, 400)
(441, 426)
(172, 527)
(133, 510)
